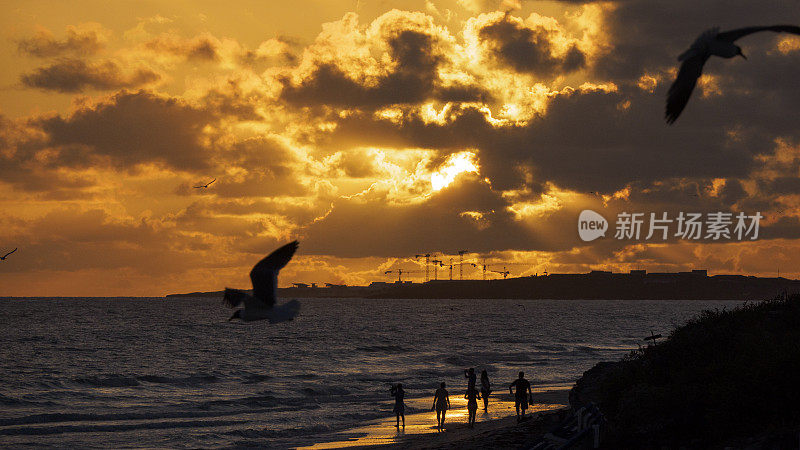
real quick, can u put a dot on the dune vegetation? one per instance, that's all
(727, 377)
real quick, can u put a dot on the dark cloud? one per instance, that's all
(784, 185)
(231, 101)
(74, 240)
(281, 49)
(132, 128)
(528, 49)
(649, 35)
(411, 77)
(351, 229)
(589, 140)
(74, 75)
(269, 170)
(720, 155)
(79, 41)
(202, 47)
(597, 139)
(783, 228)
(29, 165)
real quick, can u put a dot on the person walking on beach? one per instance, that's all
(522, 395)
(486, 389)
(441, 403)
(472, 397)
(399, 407)
(470, 375)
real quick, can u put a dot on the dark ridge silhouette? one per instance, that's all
(636, 285)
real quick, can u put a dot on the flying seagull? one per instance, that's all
(3, 258)
(712, 42)
(264, 276)
(205, 185)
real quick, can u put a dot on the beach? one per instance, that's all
(498, 428)
(154, 372)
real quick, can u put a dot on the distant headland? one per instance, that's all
(634, 285)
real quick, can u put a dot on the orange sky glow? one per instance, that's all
(372, 131)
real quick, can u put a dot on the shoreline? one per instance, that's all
(498, 427)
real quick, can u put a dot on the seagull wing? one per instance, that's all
(211, 182)
(733, 35)
(234, 297)
(265, 274)
(12, 251)
(684, 84)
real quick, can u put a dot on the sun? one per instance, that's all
(456, 163)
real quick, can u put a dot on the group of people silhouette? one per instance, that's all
(441, 398)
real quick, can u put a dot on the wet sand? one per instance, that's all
(498, 428)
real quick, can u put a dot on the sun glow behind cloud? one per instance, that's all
(360, 121)
(456, 163)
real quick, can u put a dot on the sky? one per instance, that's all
(373, 131)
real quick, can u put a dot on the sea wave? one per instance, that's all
(53, 418)
(263, 400)
(99, 428)
(324, 391)
(190, 380)
(383, 349)
(253, 378)
(252, 433)
(6, 400)
(112, 380)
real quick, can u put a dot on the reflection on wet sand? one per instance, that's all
(383, 431)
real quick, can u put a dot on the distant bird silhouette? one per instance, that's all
(205, 185)
(3, 258)
(711, 42)
(264, 276)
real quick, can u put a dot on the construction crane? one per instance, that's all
(487, 266)
(400, 273)
(452, 264)
(436, 264)
(461, 263)
(504, 273)
(427, 263)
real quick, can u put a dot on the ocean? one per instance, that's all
(154, 372)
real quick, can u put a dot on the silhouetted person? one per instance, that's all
(441, 403)
(472, 397)
(470, 375)
(399, 407)
(521, 396)
(486, 389)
